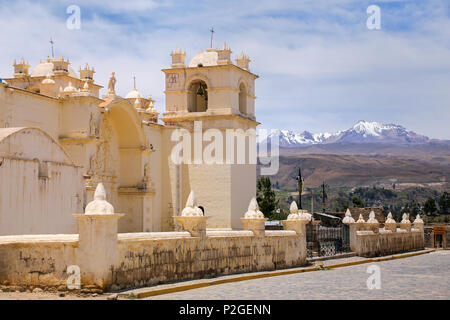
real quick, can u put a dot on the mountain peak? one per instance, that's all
(363, 131)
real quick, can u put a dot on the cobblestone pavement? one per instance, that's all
(425, 276)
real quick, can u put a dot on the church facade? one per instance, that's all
(59, 139)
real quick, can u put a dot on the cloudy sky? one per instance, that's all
(320, 67)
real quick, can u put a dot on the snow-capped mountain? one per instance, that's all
(361, 132)
(289, 138)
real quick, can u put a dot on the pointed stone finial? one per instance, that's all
(389, 219)
(372, 217)
(85, 87)
(348, 217)
(360, 219)
(191, 200)
(224, 55)
(191, 209)
(99, 205)
(178, 58)
(293, 211)
(137, 103)
(293, 208)
(243, 61)
(253, 211)
(405, 218)
(418, 219)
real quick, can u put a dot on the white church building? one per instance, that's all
(59, 139)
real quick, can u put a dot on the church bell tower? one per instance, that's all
(212, 98)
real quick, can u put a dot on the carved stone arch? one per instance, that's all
(128, 122)
(118, 158)
(197, 76)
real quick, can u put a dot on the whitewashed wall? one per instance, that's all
(40, 187)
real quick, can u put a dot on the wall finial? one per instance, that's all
(99, 205)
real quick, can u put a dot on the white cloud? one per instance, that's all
(320, 68)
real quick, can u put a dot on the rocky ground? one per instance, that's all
(41, 295)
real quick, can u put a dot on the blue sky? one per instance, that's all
(320, 68)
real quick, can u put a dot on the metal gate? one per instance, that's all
(326, 241)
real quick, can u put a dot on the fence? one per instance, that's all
(327, 241)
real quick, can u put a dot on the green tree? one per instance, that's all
(429, 206)
(444, 203)
(281, 215)
(266, 197)
(341, 204)
(412, 208)
(357, 202)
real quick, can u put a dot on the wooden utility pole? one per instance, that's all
(300, 187)
(324, 197)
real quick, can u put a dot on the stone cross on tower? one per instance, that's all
(52, 43)
(212, 33)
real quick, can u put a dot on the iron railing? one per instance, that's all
(327, 241)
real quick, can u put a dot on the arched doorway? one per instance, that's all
(242, 99)
(198, 96)
(118, 162)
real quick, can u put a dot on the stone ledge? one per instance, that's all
(144, 236)
(280, 233)
(228, 233)
(40, 238)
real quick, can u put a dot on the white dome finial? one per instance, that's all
(360, 219)
(293, 208)
(253, 211)
(389, 219)
(418, 219)
(372, 217)
(348, 217)
(99, 205)
(191, 209)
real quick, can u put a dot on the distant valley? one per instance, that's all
(367, 154)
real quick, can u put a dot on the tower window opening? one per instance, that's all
(242, 99)
(198, 96)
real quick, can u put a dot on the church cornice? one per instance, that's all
(36, 94)
(224, 66)
(196, 116)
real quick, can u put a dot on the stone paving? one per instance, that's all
(419, 277)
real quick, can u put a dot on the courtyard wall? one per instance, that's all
(142, 259)
(385, 242)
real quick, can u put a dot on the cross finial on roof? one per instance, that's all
(212, 32)
(51, 42)
(134, 82)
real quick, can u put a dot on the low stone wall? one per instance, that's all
(367, 239)
(141, 259)
(98, 258)
(30, 261)
(151, 261)
(385, 242)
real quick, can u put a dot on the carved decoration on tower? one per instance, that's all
(93, 128)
